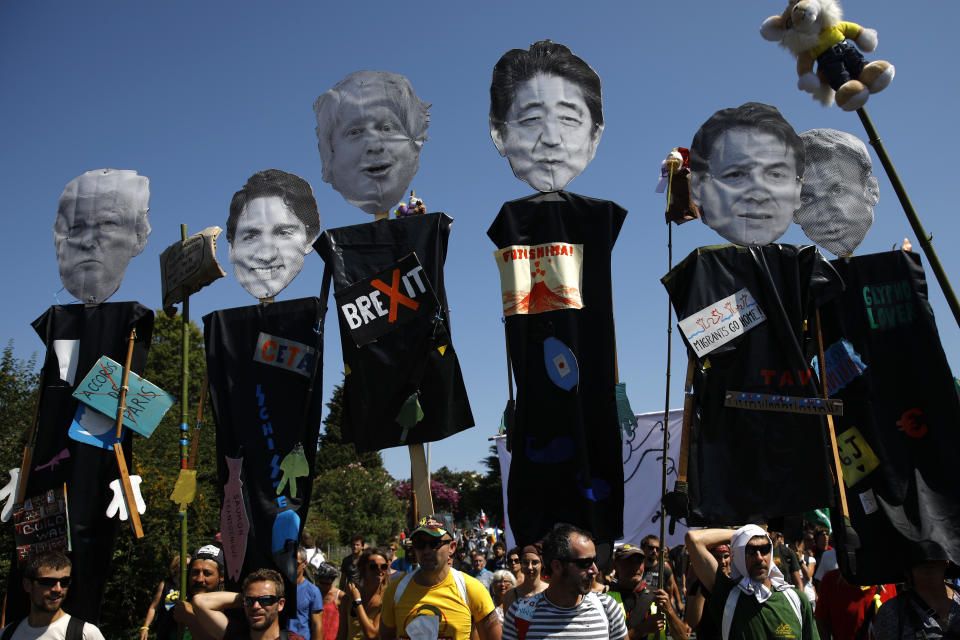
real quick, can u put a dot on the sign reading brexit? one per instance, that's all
(721, 322)
(375, 306)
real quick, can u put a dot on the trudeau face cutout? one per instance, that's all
(370, 129)
(273, 221)
(746, 168)
(546, 114)
(101, 224)
(838, 194)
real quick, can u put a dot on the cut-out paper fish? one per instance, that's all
(561, 364)
(234, 525)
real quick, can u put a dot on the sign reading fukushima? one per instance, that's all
(395, 296)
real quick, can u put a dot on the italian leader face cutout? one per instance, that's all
(370, 129)
(746, 168)
(101, 225)
(546, 114)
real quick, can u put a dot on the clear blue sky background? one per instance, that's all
(199, 95)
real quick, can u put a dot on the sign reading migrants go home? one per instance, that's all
(721, 322)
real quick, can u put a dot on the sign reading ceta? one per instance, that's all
(375, 306)
(282, 353)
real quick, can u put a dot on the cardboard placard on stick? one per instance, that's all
(42, 523)
(189, 265)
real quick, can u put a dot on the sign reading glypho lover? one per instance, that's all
(375, 306)
(721, 322)
(539, 278)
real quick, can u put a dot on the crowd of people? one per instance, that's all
(436, 582)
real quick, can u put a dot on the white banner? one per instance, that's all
(642, 459)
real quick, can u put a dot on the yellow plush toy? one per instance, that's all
(814, 30)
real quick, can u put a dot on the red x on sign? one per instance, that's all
(395, 296)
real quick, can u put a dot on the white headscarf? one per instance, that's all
(738, 560)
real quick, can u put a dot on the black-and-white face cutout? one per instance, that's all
(838, 194)
(101, 224)
(369, 152)
(549, 136)
(751, 188)
(268, 248)
(273, 221)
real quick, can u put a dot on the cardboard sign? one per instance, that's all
(146, 402)
(42, 523)
(189, 265)
(284, 354)
(721, 322)
(395, 296)
(539, 278)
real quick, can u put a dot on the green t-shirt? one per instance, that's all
(752, 620)
(787, 561)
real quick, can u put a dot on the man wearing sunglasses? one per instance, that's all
(567, 608)
(437, 601)
(754, 602)
(261, 598)
(46, 580)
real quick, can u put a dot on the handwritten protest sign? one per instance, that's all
(189, 265)
(146, 403)
(42, 523)
(721, 322)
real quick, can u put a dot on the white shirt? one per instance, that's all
(55, 631)
(314, 557)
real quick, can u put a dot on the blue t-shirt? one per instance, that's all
(309, 599)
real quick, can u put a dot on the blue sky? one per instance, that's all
(199, 95)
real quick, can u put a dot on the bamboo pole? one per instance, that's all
(184, 408)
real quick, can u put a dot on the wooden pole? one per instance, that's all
(837, 468)
(118, 448)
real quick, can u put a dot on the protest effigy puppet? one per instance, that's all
(553, 254)
(814, 31)
(101, 224)
(402, 382)
(839, 192)
(743, 311)
(264, 364)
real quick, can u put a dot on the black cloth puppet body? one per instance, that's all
(750, 465)
(265, 366)
(81, 335)
(395, 331)
(899, 434)
(553, 252)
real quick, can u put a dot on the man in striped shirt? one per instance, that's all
(567, 609)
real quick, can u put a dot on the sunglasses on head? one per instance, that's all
(432, 543)
(49, 582)
(265, 601)
(751, 549)
(582, 563)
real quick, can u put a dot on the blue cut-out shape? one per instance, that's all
(89, 426)
(286, 526)
(557, 450)
(598, 490)
(561, 364)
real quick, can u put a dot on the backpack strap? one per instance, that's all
(728, 608)
(11, 628)
(401, 587)
(462, 587)
(75, 628)
(794, 599)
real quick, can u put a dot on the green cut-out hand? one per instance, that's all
(294, 465)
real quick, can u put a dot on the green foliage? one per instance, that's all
(358, 500)
(139, 565)
(332, 451)
(19, 380)
(477, 491)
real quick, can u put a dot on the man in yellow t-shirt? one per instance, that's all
(436, 602)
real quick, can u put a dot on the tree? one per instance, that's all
(139, 565)
(332, 451)
(357, 500)
(445, 499)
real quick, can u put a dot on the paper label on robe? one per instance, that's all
(285, 354)
(41, 523)
(375, 306)
(721, 322)
(541, 277)
(146, 403)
